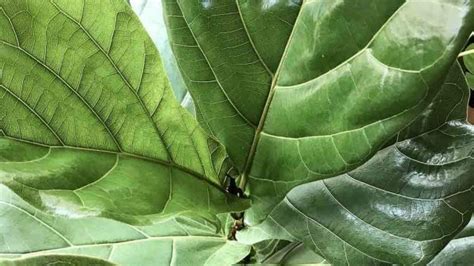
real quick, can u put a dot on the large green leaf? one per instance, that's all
(381, 212)
(32, 237)
(448, 104)
(403, 206)
(90, 125)
(460, 251)
(299, 91)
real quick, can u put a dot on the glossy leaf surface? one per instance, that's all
(460, 250)
(31, 237)
(264, 250)
(90, 124)
(402, 206)
(380, 212)
(299, 91)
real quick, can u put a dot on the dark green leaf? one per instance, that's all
(299, 91)
(460, 251)
(403, 206)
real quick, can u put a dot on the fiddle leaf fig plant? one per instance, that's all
(320, 132)
(299, 91)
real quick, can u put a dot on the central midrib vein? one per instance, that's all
(217, 80)
(256, 138)
(172, 164)
(251, 155)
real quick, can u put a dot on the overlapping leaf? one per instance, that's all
(286, 253)
(460, 250)
(299, 91)
(90, 125)
(403, 206)
(31, 237)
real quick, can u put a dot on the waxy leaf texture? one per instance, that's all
(299, 91)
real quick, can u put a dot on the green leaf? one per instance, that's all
(150, 14)
(58, 260)
(460, 250)
(295, 254)
(90, 124)
(267, 249)
(448, 104)
(469, 58)
(33, 237)
(402, 206)
(299, 91)
(283, 252)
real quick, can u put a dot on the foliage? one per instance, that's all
(344, 123)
